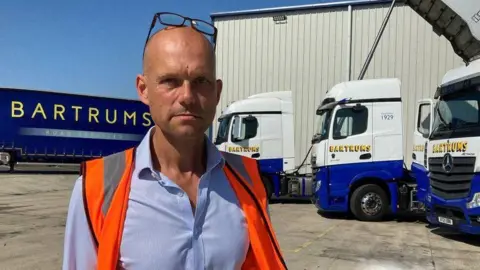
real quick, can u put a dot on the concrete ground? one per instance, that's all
(33, 209)
(310, 241)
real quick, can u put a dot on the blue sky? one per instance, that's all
(89, 46)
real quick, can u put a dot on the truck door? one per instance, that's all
(245, 135)
(349, 145)
(423, 127)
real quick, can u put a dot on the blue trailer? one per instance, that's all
(42, 127)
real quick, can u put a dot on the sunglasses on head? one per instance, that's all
(177, 20)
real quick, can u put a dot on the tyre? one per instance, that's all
(11, 167)
(268, 186)
(369, 203)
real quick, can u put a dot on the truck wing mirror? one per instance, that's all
(244, 128)
(358, 108)
(250, 118)
(251, 127)
(237, 129)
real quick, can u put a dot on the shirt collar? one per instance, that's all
(143, 159)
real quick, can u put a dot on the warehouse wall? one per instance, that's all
(408, 50)
(309, 53)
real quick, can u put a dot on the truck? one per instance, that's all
(443, 169)
(46, 128)
(452, 145)
(358, 154)
(261, 126)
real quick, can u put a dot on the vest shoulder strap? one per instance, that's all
(245, 177)
(101, 179)
(249, 170)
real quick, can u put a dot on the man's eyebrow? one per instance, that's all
(202, 71)
(164, 76)
(194, 74)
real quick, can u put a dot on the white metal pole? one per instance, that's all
(349, 44)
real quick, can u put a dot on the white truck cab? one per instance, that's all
(357, 156)
(261, 126)
(452, 151)
(355, 107)
(451, 143)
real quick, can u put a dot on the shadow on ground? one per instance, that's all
(36, 172)
(469, 239)
(399, 218)
(46, 170)
(447, 233)
(290, 201)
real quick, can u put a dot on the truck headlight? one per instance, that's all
(475, 202)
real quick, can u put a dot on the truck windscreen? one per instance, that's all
(457, 115)
(323, 124)
(223, 125)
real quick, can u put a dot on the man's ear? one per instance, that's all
(142, 89)
(219, 89)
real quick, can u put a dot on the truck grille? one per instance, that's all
(453, 185)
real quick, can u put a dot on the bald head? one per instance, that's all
(179, 83)
(170, 39)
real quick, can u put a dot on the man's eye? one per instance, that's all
(169, 82)
(201, 80)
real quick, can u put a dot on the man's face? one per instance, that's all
(179, 84)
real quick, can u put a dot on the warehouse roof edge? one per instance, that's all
(326, 4)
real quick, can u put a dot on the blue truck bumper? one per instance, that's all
(327, 200)
(440, 212)
(324, 202)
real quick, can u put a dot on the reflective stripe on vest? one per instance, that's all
(106, 186)
(106, 183)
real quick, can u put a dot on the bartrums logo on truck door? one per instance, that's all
(419, 148)
(243, 149)
(447, 163)
(350, 148)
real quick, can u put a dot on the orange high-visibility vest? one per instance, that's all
(106, 187)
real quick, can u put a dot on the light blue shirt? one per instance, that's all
(161, 231)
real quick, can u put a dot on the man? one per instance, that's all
(175, 201)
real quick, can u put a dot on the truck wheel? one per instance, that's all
(369, 203)
(11, 163)
(268, 186)
(11, 167)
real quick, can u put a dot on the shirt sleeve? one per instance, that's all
(79, 251)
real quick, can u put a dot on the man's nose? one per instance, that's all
(187, 93)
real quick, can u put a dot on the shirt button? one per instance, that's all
(180, 194)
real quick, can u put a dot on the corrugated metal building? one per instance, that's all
(320, 45)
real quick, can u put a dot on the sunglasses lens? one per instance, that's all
(204, 27)
(171, 19)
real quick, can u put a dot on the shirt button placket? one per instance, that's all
(198, 227)
(158, 178)
(196, 232)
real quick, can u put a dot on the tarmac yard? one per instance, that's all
(33, 210)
